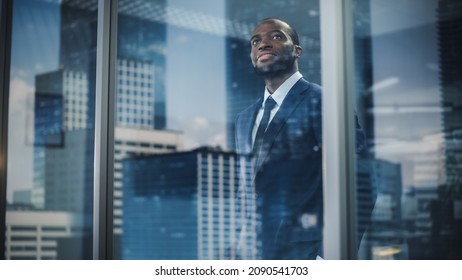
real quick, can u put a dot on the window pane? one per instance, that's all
(184, 74)
(51, 130)
(408, 64)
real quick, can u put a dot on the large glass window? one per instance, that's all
(408, 96)
(183, 77)
(184, 73)
(51, 130)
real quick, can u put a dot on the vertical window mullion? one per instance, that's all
(338, 130)
(104, 129)
(5, 59)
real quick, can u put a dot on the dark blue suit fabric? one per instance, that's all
(283, 191)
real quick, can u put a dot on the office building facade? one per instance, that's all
(42, 235)
(187, 202)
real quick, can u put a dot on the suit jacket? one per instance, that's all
(285, 186)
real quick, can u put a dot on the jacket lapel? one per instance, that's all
(247, 122)
(290, 103)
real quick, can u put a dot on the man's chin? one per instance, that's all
(269, 70)
(274, 68)
(263, 70)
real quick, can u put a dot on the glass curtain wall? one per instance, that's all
(184, 74)
(51, 130)
(408, 97)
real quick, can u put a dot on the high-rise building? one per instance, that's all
(63, 179)
(132, 142)
(65, 109)
(22, 197)
(447, 210)
(140, 51)
(387, 212)
(384, 225)
(450, 53)
(77, 47)
(61, 105)
(141, 48)
(43, 235)
(184, 206)
(67, 176)
(135, 94)
(363, 69)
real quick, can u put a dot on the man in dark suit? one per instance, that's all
(282, 133)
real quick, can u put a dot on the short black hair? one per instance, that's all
(292, 32)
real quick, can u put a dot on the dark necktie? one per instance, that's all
(269, 105)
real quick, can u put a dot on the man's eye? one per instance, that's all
(254, 42)
(277, 37)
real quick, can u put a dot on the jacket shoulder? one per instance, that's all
(248, 111)
(314, 90)
(311, 91)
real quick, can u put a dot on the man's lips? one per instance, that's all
(265, 56)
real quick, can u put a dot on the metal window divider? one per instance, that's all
(339, 166)
(106, 88)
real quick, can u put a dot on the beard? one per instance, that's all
(278, 67)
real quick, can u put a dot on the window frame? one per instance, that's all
(5, 60)
(339, 171)
(106, 71)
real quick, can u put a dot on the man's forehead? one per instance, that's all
(272, 25)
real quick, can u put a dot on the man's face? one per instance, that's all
(273, 51)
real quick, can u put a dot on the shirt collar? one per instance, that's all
(282, 91)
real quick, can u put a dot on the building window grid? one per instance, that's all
(138, 94)
(75, 92)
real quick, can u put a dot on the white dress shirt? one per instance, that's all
(278, 96)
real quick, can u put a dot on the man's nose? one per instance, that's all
(265, 44)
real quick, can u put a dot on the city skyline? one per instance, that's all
(205, 128)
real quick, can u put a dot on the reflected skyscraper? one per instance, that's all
(48, 129)
(63, 154)
(450, 51)
(364, 100)
(65, 107)
(64, 117)
(182, 206)
(43, 235)
(447, 210)
(141, 59)
(130, 142)
(61, 118)
(385, 227)
(65, 104)
(363, 69)
(141, 45)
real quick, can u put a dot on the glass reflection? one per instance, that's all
(184, 74)
(51, 130)
(407, 56)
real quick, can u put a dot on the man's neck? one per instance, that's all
(274, 82)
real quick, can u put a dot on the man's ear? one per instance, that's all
(298, 51)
